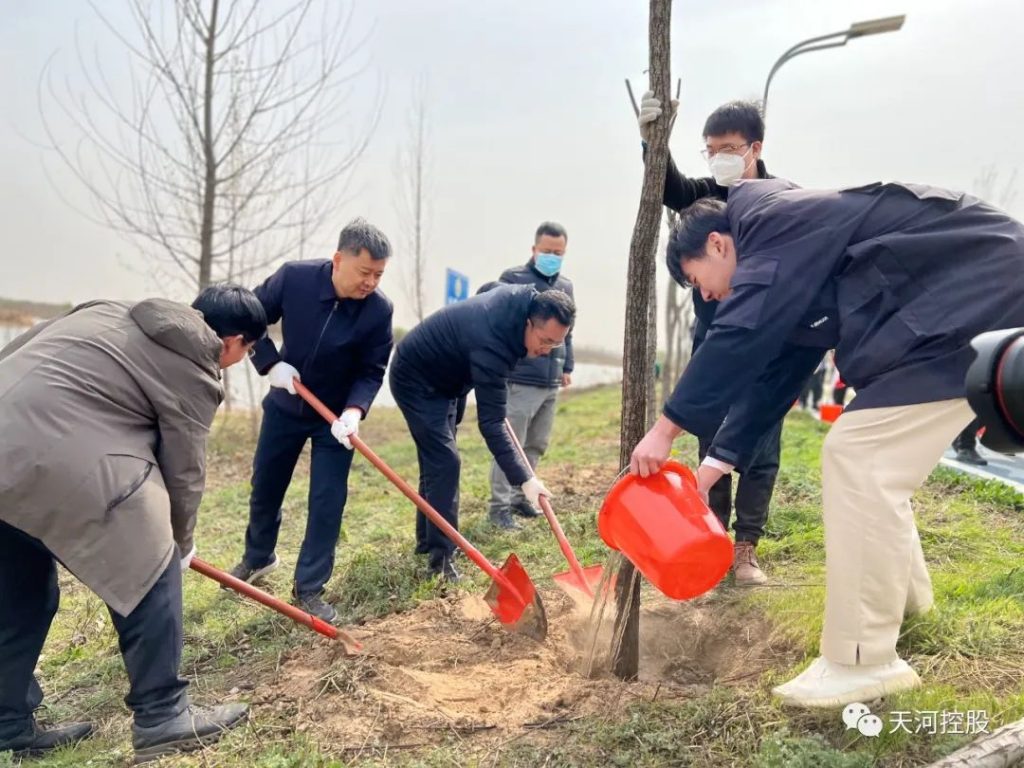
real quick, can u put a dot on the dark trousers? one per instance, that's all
(839, 394)
(753, 491)
(150, 637)
(433, 422)
(968, 439)
(282, 437)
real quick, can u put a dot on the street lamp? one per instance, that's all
(833, 40)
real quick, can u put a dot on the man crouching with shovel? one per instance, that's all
(104, 413)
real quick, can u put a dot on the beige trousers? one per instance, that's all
(872, 462)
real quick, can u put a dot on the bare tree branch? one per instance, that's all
(216, 148)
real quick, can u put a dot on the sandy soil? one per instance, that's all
(447, 668)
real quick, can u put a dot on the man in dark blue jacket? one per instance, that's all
(472, 345)
(734, 139)
(913, 273)
(336, 327)
(534, 383)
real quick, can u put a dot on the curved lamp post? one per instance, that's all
(833, 40)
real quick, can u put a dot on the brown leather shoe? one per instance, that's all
(744, 565)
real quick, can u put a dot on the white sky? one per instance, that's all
(530, 121)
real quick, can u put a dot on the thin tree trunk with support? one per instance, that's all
(638, 362)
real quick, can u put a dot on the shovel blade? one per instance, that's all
(522, 613)
(588, 588)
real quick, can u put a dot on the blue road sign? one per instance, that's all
(456, 287)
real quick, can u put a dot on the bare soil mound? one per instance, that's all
(447, 667)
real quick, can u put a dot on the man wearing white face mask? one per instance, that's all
(534, 383)
(733, 139)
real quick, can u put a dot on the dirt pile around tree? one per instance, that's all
(447, 668)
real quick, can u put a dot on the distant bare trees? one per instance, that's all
(227, 140)
(986, 186)
(412, 200)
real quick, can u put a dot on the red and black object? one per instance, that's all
(995, 388)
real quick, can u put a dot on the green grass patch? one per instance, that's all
(968, 648)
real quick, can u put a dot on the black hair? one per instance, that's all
(231, 310)
(742, 117)
(690, 234)
(552, 229)
(359, 234)
(553, 304)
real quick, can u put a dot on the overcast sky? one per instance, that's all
(530, 121)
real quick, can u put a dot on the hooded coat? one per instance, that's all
(104, 413)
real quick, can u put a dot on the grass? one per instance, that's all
(968, 649)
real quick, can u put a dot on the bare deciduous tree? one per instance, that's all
(412, 201)
(986, 187)
(227, 140)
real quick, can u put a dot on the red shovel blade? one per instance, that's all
(523, 612)
(592, 575)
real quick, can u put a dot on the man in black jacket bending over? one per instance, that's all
(733, 137)
(474, 344)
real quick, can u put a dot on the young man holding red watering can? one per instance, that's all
(912, 273)
(733, 137)
(104, 416)
(336, 327)
(472, 345)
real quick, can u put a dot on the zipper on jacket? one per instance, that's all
(316, 347)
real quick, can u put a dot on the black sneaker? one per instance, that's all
(502, 518)
(251, 575)
(442, 565)
(316, 605)
(194, 728)
(38, 740)
(524, 508)
(970, 456)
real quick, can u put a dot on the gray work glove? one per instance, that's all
(650, 109)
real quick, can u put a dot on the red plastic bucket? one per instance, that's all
(663, 526)
(830, 411)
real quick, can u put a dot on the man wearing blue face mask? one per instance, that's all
(534, 383)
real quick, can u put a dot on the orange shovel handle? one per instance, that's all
(293, 613)
(422, 504)
(549, 513)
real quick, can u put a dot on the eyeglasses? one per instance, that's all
(545, 343)
(729, 149)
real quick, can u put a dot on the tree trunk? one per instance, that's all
(638, 363)
(1002, 748)
(209, 156)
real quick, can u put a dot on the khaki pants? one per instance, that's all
(872, 462)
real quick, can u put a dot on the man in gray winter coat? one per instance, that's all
(104, 413)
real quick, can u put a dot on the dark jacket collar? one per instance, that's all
(326, 286)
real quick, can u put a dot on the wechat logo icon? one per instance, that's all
(858, 716)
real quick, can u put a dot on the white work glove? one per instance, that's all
(533, 489)
(281, 375)
(347, 425)
(650, 109)
(186, 561)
